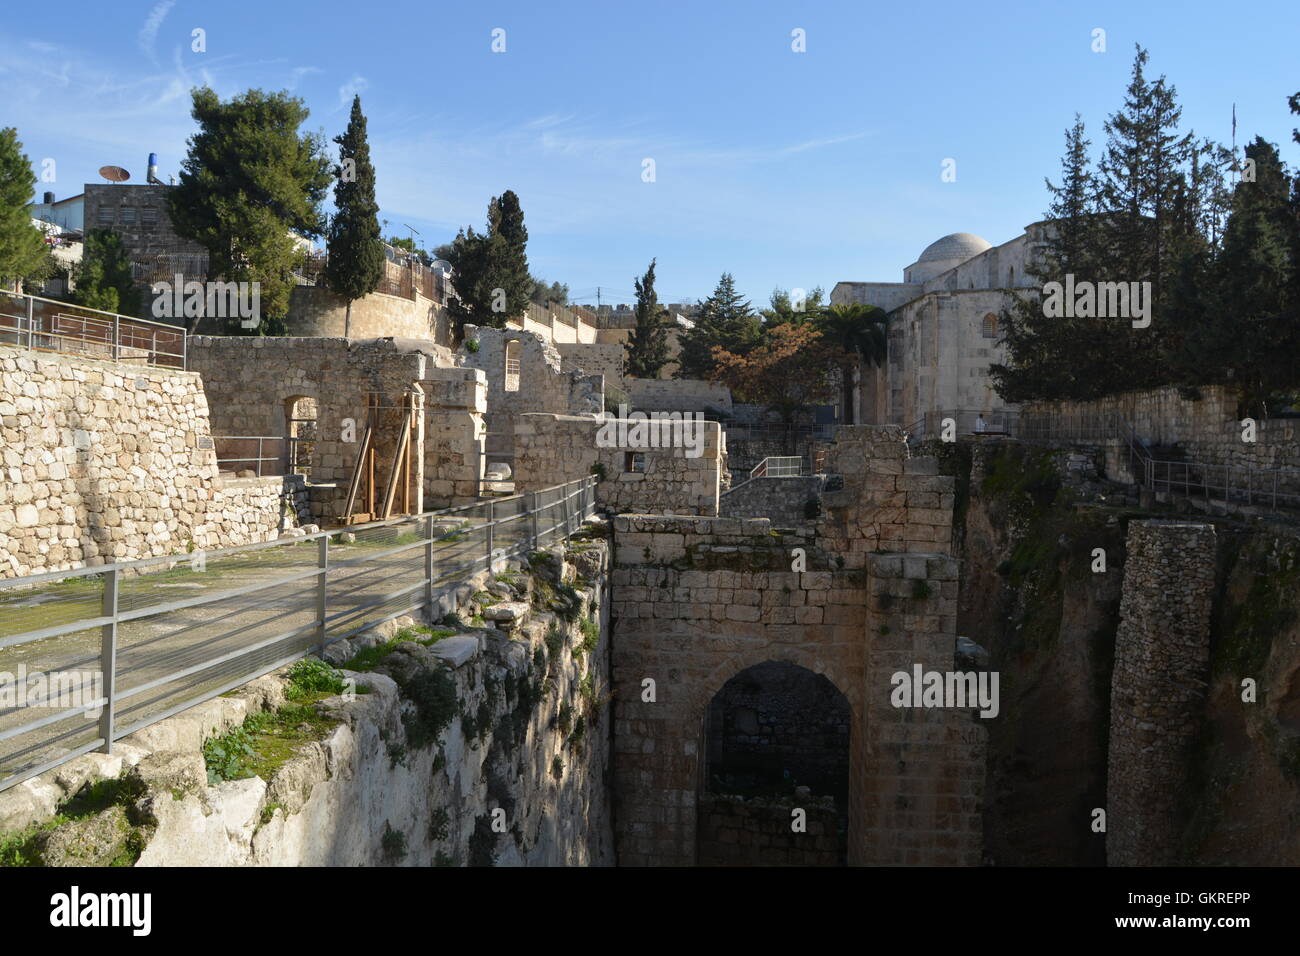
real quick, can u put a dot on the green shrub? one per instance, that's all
(394, 843)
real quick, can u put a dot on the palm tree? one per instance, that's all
(859, 335)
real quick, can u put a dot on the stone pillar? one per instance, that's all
(916, 794)
(1162, 655)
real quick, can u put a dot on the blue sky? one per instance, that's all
(786, 169)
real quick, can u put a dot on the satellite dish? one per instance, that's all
(114, 174)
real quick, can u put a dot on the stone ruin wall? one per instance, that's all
(698, 600)
(107, 462)
(553, 449)
(786, 501)
(542, 385)
(1158, 689)
(592, 358)
(317, 312)
(1205, 429)
(756, 832)
(251, 384)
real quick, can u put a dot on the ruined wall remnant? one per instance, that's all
(319, 312)
(1158, 691)
(788, 502)
(553, 449)
(735, 831)
(888, 500)
(253, 383)
(524, 374)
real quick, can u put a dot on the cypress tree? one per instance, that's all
(356, 253)
(647, 347)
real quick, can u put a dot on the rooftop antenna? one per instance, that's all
(114, 174)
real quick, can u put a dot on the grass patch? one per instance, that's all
(265, 742)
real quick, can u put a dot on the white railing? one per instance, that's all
(785, 467)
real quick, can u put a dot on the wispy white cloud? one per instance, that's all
(152, 24)
(358, 84)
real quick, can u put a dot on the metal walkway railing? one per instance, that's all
(90, 656)
(47, 325)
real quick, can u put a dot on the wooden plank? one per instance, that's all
(394, 473)
(355, 481)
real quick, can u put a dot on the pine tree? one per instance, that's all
(104, 280)
(249, 181)
(724, 320)
(491, 268)
(1053, 358)
(647, 347)
(356, 254)
(1252, 325)
(1142, 191)
(22, 246)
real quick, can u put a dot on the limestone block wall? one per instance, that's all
(1158, 690)
(755, 832)
(923, 789)
(455, 414)
(542, 385)
(108, 462)
(696, 601)
(1206, 429)
(678, 395)
(784, 500)
(253, 382)
(888, 500)
(552, 449)
(249, 510)
(316, 311)
(593, 358)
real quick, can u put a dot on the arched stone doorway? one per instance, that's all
(775, 741)
(301, 415)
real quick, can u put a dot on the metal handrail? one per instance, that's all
(124, 338)
(541, 516)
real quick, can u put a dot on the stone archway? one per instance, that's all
(774, 782)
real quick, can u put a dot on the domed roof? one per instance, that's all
(959, 245)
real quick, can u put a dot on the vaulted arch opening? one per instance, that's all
(774, 786)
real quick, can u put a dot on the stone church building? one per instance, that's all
(943, 330)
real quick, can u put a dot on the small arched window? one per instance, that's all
(512, 365)
(989, 329)
(1011, 275)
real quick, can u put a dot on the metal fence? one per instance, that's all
(47, 325)
(92, 655)
(264, 454)
(784, 467)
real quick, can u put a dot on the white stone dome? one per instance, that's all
(944, 254)
(959, 245)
